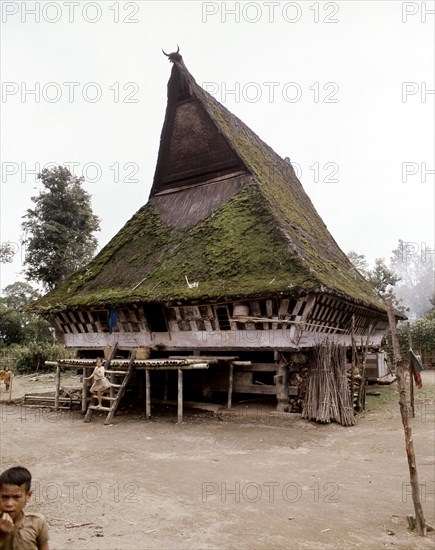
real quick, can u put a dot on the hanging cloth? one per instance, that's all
(113, 319)
(416, 367)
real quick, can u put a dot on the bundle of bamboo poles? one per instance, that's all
(328, 396)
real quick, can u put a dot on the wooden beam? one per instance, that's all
(195, 366)
(282, 383)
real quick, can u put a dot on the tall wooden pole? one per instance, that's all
(420, 521)
(411, 375)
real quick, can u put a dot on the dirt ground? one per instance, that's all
(247, 480)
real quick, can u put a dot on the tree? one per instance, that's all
(11, 326)
(382, 277)
(16, 325)
(58, 231)
(19, 294)
(6, 253)
(359, 261)
(417, 275)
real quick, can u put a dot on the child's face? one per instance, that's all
(13, 498)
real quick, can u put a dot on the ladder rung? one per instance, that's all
(110, 398)
(116, 385)
(97, 408)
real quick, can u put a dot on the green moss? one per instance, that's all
(266, 240)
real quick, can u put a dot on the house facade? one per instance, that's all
(228, 256)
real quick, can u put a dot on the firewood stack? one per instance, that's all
(73, 393)
(299, 380)
(327, 396)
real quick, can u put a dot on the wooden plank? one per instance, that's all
(265, 389)
(29, 396)
(248, 366)
(194, 366)
(208, 358)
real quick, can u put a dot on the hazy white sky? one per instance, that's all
(345, 89)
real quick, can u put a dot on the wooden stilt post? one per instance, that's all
(85, 390)
(11, 381)
(230, 386)
(180, 396)
(57, 387)
(282, 383)
(411, 375)
(420, 521)
(147, 394)
(366, 349)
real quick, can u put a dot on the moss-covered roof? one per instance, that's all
(265, 240)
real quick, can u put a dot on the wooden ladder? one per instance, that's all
(116, 396)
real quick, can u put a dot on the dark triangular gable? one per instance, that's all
(192, 150)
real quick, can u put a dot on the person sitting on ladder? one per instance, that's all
(101, 384)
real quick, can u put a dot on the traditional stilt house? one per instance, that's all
(228, 257)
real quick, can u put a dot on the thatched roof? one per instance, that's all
(224, 211)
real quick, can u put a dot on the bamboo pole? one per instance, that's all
(180, 396)
(420, 521)
(147, 394)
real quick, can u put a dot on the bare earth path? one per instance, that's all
(258, 482)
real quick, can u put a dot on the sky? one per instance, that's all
(344, 89)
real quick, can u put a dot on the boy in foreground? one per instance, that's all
(18, 530)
